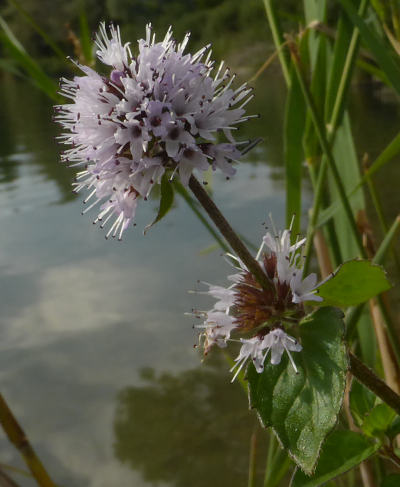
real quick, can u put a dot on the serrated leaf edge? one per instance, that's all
(336, 271)
(293, 456)
(374, 448)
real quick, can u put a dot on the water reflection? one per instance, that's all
(189, 429)
(26, 126)
(79, 315)
(35, 132)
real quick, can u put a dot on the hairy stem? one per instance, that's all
(365, 375)
(230, 235)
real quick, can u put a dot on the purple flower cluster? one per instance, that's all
(263, 315)
(160, 110)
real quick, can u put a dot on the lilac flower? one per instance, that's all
(218, 324)
(158, 110)
(217, 329)
(304, 289)
(262, 314)
(286, 256)
(251, 348)
(256, 349)
(278, 341)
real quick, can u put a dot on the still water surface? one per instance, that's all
(97, 357)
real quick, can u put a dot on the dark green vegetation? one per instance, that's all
(238, 29)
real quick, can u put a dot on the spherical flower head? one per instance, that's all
(263, 315)
(157, 110)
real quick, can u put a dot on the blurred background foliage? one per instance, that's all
(238, 29)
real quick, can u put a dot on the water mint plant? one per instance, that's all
(153, 115)
(295, 357)
(159, 112)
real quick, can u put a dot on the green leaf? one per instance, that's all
(85, 38)
(342, 451)
(378, 420)
(391, 481)
(26, 62)
(394, 428)
(48, 41)
(380, 50)
(387, 155)
(349, 168)
(338, 68)
(361, 401)
(294, 156)
(277, 468)
(166, 201)
(302, 408)
(356, 281)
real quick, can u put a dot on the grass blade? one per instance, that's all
(86, 38)
(385, 156)
(278, 38)
(293, 151)
(375, 44)
(26, 62)
(39, 30)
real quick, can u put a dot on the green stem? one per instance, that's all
(390, 328)
(321, 133)
(318, 186)
(352, 317)
(40, 31)
(277, 38)
(230, 235)
(365, 375)
(252, 458)
(335, 119)
(381, 217)
(395, 17)
(18, 438)
(318, 191)
(279, 466)
(377, 204)
(344, 83)
(387, 241)
(270, 455)
(354, 313)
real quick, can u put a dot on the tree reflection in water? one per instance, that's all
(190, 429)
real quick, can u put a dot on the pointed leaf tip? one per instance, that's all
(166, 202)
(302, 408)
(353, 283)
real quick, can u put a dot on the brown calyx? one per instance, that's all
(254, 306)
